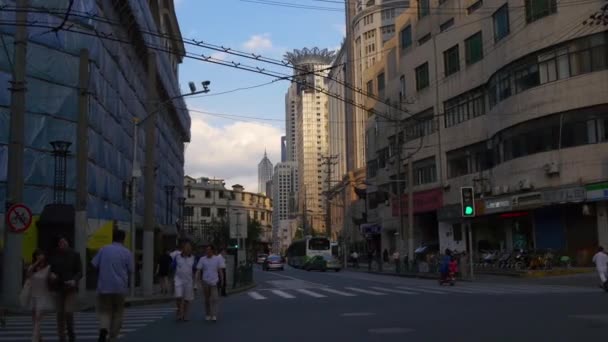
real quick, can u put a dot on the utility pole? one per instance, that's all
(305, 215)
(328, 161)
(150, 180)
(82, 153)
(410, 210)
(12, 262)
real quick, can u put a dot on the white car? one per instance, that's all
(273, 262)
(261, 258)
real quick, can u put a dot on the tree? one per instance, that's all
(254, 232)
(299, 234)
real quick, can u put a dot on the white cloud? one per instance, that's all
(219, 55)
(258, 43)
(231, 152)
(341, 28)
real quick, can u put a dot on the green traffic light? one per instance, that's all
(468, 210)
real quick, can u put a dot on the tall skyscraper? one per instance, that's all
(307, 131)
(264, 173)
(284, 186)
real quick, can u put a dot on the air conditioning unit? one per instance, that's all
(551, 169)
(525, 184)
(505, 189)
(497, 190)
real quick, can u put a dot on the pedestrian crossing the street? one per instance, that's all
(412, 290)
(19, 328)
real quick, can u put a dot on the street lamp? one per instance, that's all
(148, 241)
(60, 152)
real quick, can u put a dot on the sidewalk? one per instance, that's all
(576, 276)
(86, 302)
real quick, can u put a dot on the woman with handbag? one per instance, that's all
(40, 298)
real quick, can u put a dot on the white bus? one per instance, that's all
(301, 250)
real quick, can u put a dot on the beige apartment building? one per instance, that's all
(508, 97)
(209, 204)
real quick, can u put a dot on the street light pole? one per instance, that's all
(13, 242)
(153, 108)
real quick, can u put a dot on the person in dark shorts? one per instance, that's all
(162, 271)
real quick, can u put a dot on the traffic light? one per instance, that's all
(467, 201)
(234, 243)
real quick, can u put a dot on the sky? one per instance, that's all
(231, 149)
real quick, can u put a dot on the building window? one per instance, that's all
(406, 37)
(425, 171)
(536, 9)
(388, 14)
(388, 29)
(580, 56)
(501, 22)
(221, 194)
(422, 76)
(370, 87)
(446, 25)
(474, 48)
(470, 159)
(372, 168)
(424, 39)
(368, 19)
(420, 125)
(576, 128)
(205, 212)
(380, 80)
(465, 107)
(402, 92)
(451, 59)
(474, 7)
(383, 155)
(189, 211)
(424, 8)
(221, 212)
(207, 194)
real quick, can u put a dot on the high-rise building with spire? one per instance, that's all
(264, 173)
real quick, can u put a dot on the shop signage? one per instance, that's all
(497, 205)
(371, 229)
(565, 195)
(597, 192)
(424, 202)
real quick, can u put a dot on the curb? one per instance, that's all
(241, 289)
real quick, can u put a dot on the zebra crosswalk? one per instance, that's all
(86, 324)
(412, 290)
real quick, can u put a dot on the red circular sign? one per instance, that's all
(18, 218)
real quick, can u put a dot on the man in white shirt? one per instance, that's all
(210, 266)
(600, 259)
(184, 282)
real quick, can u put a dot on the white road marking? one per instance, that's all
(369, 292)
(255, 295)
(345, 294)
(282, 294)
(357, 314)
(310, 293)
(420, 289)
(393, 290)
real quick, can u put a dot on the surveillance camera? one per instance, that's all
(192, 87)
(206, 83)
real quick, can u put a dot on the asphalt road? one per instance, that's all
(296, 305)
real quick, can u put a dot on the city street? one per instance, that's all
(296, 305)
